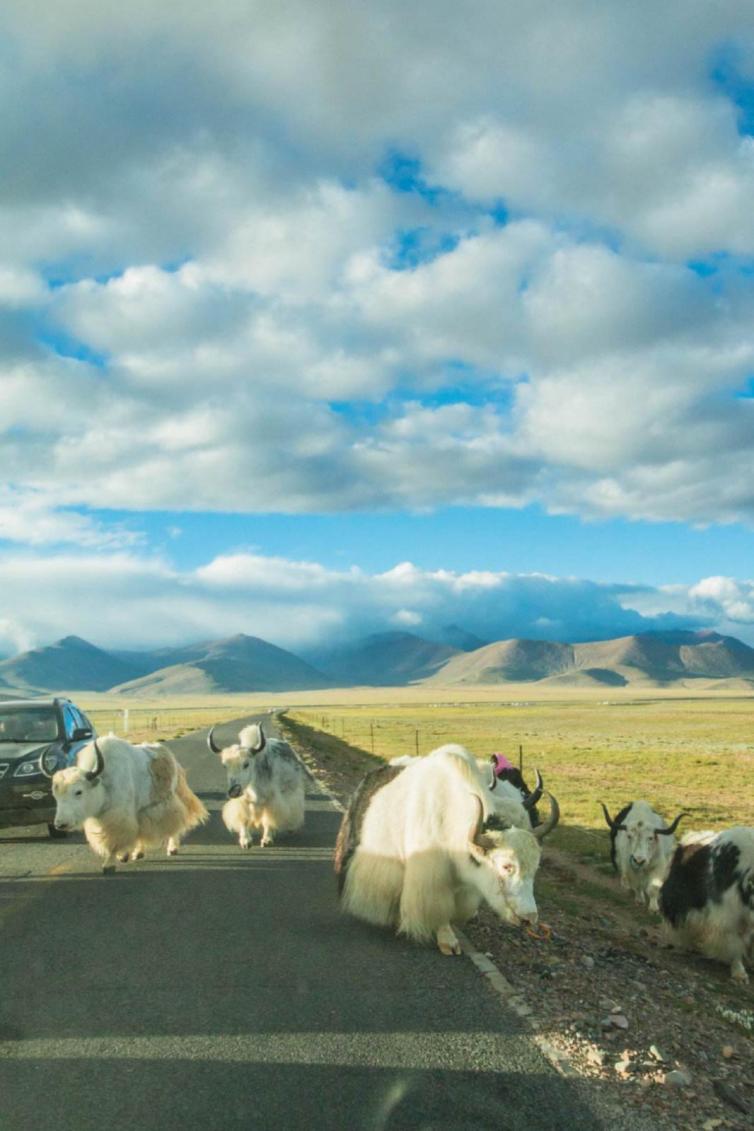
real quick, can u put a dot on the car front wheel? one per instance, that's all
(56, 834)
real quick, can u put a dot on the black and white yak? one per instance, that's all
(707, 900)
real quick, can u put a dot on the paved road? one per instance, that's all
(222, 990)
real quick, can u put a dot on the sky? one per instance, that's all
(329, 317)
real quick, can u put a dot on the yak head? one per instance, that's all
(644, 830)
(503, 863)
(78, 792)
(241, 761)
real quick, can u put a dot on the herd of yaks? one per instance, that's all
(424, 841)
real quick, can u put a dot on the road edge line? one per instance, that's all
(508, 993)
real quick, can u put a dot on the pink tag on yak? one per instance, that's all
(501, 763)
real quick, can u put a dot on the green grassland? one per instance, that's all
(679, 753)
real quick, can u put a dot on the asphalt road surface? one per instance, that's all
(223, 990)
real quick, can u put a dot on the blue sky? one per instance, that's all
(380, 319)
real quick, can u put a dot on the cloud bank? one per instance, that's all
(326, 258)
(120, 599)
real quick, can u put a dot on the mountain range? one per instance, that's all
(247, 663)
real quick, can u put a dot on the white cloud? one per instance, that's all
(126, 599)
(256, 291)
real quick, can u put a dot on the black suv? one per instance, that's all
(37, 737)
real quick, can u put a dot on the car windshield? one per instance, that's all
(28, 724)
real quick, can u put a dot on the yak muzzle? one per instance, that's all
(61, 826)
(235, 791)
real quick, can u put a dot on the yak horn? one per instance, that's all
(532, 798)
(671, 828)
(211, 744)
(493, 778)
(541, 831)
(92, 775)
(478, 825)
(608, 818)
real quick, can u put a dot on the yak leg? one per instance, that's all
(738, 971)
(447, 940)
(138, 851)
(173, 845)
(267, 831)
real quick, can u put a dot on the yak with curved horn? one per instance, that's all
(513, 800)
(420, 855)
(266, 785)
(134, 796)
(641, 848)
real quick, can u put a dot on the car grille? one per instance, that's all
(4, 768)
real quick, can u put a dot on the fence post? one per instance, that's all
(125, 720)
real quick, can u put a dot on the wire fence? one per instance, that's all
(154, 723)
(389, 737)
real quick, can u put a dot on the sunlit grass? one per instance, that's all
(694, 754)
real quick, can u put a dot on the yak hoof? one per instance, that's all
(449, 948)
(137, 855)
(447, 941)
(738, 973)
(172, 852)
(124, 858)
(108, 870)
(265, 841)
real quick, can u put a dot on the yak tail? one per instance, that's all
(196, 812)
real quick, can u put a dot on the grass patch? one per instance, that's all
(692, 754)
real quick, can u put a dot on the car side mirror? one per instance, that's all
(80, 733)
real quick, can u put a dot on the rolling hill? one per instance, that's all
(384, 659)
(67, 665)
(651, 659)
(507, 661)
(240, 663)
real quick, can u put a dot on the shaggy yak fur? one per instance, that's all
(420, 847)
(131, 798)
(707, 901)
(266, 786)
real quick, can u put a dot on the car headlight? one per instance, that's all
(26, 769)
(49, 761)
(46, 762)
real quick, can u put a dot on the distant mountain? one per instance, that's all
(246, 663)
(144, 663)
(70, 664)
(460, 638)
(651, 658)
(508, 661)
(240, 663)
(384, 659)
